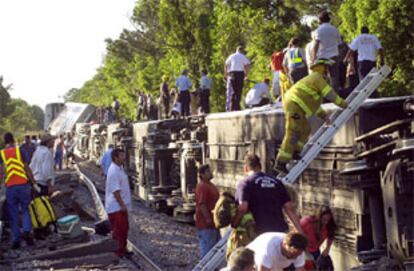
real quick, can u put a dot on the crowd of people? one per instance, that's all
(27, 170)
(350, 63)
(264, 200)
(300, 79)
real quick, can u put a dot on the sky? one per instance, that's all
(50, 46)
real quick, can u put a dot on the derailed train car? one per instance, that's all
(356, 175)
(365, 174)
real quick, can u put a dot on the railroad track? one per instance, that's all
(139, 258)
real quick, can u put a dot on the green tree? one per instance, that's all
(392, 21)
(171, 35)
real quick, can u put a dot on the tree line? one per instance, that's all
(171, 35)
(17, 116)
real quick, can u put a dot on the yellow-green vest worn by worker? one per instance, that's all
(223, 215)
(242, 235)
(309, 92)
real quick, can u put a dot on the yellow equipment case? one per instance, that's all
(41, 212)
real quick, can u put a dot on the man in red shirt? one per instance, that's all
(206, 197)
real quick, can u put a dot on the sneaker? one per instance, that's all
(280, 167)
(28, 238)
(16, 245)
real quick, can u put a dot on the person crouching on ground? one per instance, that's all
(118, 200)
(206, 196)
(317, 228)
(275, 251)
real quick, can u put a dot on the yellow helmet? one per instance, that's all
(165, 78)
(322, 61)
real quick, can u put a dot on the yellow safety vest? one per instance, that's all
(14, 167)
(295, 59)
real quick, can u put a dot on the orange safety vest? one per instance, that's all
(14, 167)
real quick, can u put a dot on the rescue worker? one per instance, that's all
(17, 174)
(301, 102)
(294, 62)
(183, 84)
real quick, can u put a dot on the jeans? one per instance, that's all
(296, 74)
(207, 238)
(184, 99)
(58, 159)
(19, 196)
(234, 90)
(205, 101)
(334, 73)
(364, 67)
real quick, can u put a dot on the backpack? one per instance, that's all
(41, 213)
(224, 210)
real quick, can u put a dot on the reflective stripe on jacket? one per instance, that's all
(14, 167)
(309, 92)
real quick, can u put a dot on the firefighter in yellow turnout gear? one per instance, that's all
(302, 101)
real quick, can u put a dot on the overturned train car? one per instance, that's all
(365, 174)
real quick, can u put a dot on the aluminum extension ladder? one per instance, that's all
(326, 132)
(315, 144)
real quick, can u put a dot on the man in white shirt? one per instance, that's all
(184, 85)
(327, 40)
(118, 200)
(236, 70)
(205, 92)
(259, 95)
(274, 251)
(367, 46)
(42, 166)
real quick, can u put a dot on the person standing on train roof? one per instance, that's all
(302, 101)
(236, 69)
